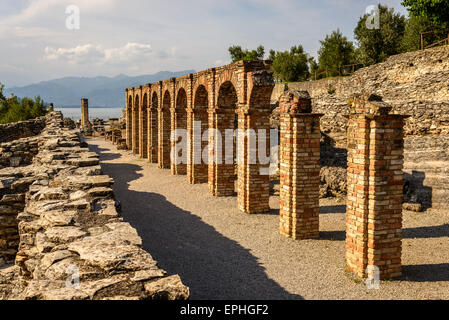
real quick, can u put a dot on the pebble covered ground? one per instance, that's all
(222, 253)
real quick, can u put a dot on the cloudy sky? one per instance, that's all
(142, 37)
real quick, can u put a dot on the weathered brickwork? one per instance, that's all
(299, 166)
(374, 182)
(211, 99)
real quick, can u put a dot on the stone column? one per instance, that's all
(299, 166)
(221, 168)
(374, 188)
(178, 121)
(84, 112)
(253, 191)
(197, 125)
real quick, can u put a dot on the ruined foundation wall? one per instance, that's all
(414, 83)
(21, 129)
(66, 225)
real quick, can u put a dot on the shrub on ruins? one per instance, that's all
(377, 42)
(291, 65)
(335, 55)
(13, 109)
(237, 53)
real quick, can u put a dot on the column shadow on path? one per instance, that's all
(213, 266)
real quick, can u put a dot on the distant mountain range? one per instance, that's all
(101, 91)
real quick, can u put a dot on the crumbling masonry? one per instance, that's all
(218, 98)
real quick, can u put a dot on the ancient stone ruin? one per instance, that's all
(374, 161)
(61, 225)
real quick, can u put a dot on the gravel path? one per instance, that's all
(222, 253)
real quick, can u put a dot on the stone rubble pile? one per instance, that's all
(69, 228)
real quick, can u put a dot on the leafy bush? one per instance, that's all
(13, 109)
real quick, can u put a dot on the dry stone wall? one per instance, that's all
(21, 129)
(67, 227)
(416, 84)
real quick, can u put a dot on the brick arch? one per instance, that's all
(144, 101)
(154, 100)
(136, 102)
(129, 122)
(135, 124)
(227, 97)
(166, 100)
(181, 99)
(201, 97)
(164, 129)
(228, 77)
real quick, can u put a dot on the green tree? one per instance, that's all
(237, 53)
(435, 10)
(412, 35)
(13, 109)
(376, 45)
(290, 65)
(335, 52)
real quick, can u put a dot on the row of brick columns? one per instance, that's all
(374, 180)
(374, 169)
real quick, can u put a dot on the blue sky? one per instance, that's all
(142, 37)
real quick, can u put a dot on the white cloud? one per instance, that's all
(129, 52)
(79, 54)
(90, 53)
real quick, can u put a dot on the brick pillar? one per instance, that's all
(374, 188)
(197, 125)
(253, 192)
(178, 121)
(135, 130)
(164, 127)
(129, 130)
(221, 170)
(143, 132)
(299, 166)
(153, 135)
(84, 112)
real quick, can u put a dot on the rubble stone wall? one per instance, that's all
(415, 84)
(64, 229)
(21, 129)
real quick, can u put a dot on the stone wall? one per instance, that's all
(64, 224)
(414, 83)
(21, 129)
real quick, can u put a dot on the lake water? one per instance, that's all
(102, 113)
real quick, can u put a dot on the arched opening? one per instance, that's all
(153, 124)
(164, 131)
(224, 153)
(129, 123)
(136, 125)
(197, 125)
(179, 128)
(144, 128)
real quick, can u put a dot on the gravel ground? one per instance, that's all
(222, 253)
